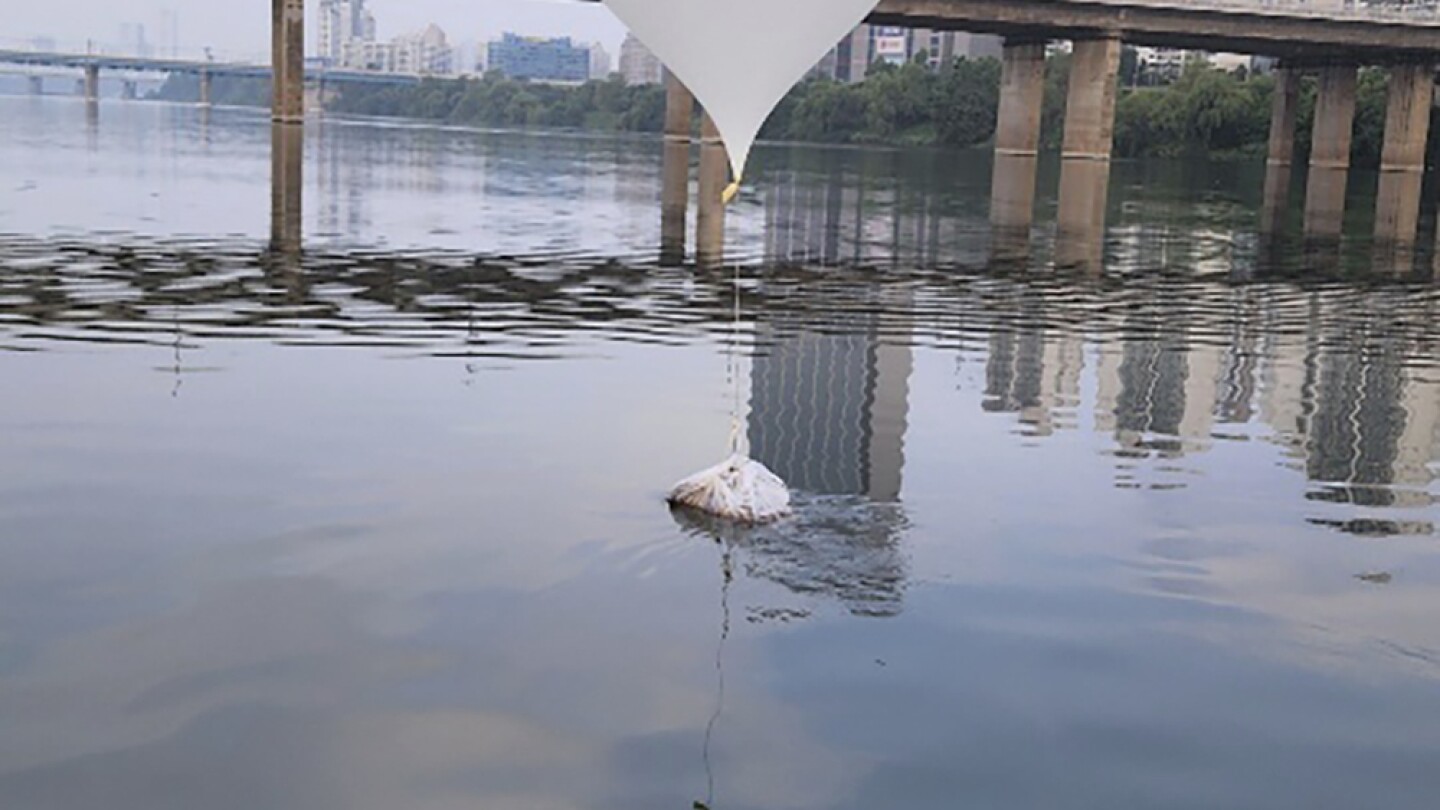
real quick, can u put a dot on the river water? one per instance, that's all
(380, 524)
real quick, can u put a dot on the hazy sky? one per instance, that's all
(243, 26)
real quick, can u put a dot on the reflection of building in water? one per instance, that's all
(1327, 373)
(1346, 408)
(838, 217)
(846, 549)
(1035, 374)
(1358, 419)
(1236, 385)
(1159, 390)
(803, 220)
(829, 410)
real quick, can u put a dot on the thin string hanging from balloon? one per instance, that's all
(735, 444)
(726, 198)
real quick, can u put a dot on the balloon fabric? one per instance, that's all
(740, 57)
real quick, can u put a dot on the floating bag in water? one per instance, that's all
(740, 57)
(738, 489)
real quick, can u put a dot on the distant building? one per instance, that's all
(944, 47)
(600, 64)
(342, 24)
(348, 40)
(637, 64)
(427, 53)
(555, 60)
(852, 55)
(1231, 62)
(889, 45)
(868, 45)
(360, 54)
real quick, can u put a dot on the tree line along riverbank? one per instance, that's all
(1204, 112)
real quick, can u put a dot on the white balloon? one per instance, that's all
(740, 57)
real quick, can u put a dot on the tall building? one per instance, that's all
(637, 64)
(554, 60)
(868, 45)
(426, 53)
(600, 64)
(342, 23)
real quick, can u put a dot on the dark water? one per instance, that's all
(379, 525)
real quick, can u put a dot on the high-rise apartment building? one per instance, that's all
(869, 45)
(553, 60)
(637, 64)
(342, 23)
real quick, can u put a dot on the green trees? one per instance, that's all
(495, 101)
(1205, 112)
(1209, 112)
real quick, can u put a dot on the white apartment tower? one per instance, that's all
(637, 64)
(343, 22)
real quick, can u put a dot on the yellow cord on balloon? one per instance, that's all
(730, 191)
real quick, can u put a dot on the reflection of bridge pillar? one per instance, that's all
(206, 88)
(1402, 164)
(1085, 159)
(710, 216)
(287, 159)
(675, 185)
(92, 83)
(287, 53)
(37, 85)
(1017, 144)
(1282, 149)
(1330, 152)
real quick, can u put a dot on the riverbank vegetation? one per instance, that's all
(1203, 112)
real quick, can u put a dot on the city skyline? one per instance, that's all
(244, 28)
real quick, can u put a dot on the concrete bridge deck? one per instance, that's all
(1312, 32)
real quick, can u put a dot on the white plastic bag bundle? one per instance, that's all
(740, 57)
(739, 489)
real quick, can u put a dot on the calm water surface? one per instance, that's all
(379, 525)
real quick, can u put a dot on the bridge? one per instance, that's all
(1331, 38)
(1286, 29)
(91, 65)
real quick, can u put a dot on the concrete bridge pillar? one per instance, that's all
(710, 215)
(37, 85)
(287, 185)
(207, 83)
(1330, 153)
(1085, 158)
(287, 53)
(92, 83)
(1402, 163)
(1017, 143)
(675, 185)
(1282, 149)
(130, 90)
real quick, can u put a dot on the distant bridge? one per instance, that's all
(136, 64)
